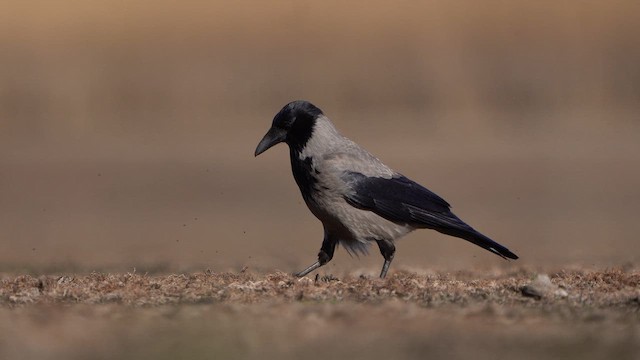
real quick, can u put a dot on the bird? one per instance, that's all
(358, 199)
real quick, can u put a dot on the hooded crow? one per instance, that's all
(358, 199)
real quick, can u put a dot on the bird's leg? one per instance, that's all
(387, 249)
(324, 256)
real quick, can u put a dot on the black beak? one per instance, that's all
(272, 137)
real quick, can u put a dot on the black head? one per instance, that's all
(293, 124)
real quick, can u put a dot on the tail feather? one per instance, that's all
(484, 242)
(460, 229)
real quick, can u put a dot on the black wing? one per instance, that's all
(404, 201)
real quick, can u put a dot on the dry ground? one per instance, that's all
(595, 314)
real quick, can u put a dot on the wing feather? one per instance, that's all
(402, 200)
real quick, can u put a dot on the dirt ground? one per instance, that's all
(584, 315)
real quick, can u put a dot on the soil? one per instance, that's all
(579, 314)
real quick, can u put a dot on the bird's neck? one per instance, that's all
(324, 139)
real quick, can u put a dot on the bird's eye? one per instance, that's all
(288, 123)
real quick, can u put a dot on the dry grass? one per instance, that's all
(252, 316)
(611, 289)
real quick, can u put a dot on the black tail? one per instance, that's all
(461, 230)
(484, 242)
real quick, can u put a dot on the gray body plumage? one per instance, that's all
(358, 199)
(333, 160)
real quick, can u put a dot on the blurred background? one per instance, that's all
(127, 129)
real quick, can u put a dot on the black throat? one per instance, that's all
(304, 174)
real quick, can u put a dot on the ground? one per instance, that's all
(586, 315)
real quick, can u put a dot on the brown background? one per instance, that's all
(127, 129)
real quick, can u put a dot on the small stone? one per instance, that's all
(543, 287)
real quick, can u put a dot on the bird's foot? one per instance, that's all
(308, 270)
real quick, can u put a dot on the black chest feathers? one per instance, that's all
(306, 176)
